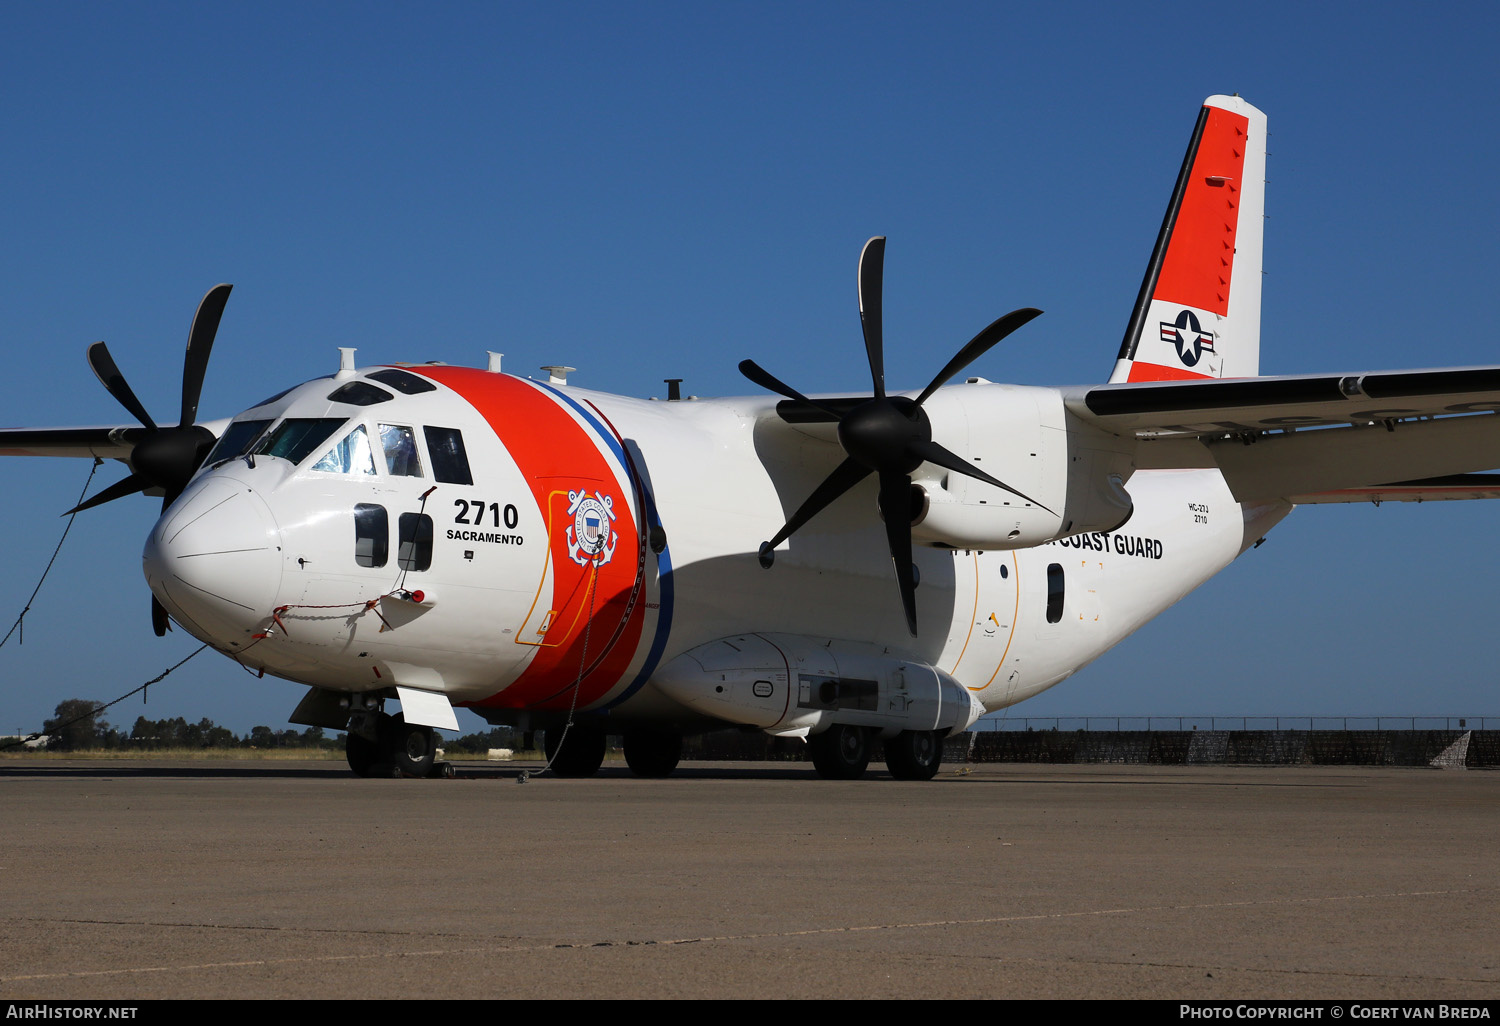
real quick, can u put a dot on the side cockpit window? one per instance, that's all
(297, 438)
(450, 463)
(399, 443)
(352, 455)
(372, 534)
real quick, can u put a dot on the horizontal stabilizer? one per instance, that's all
(1212, 408)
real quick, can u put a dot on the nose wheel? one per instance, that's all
(398, 749)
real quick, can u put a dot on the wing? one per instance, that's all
(109, 443)
(1311, 435)
(1433, 489)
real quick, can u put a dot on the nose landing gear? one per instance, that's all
(379, 745)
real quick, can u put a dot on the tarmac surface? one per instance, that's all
(748, 880)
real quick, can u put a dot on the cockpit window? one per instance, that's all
(284, 392)
(450, 463)
(236, 439)
(360, 393)
(268, 402)
(350, 456)
(400, 445)
(401, 381)
(296, 438)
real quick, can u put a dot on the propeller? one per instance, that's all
(889, 436)
(164, 457)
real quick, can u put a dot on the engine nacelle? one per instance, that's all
(1072, 475)
(786, 683)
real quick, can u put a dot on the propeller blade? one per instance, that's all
(200, 344)
(895, 508)
(978, 346)
(765, 379)
(871, 282)
(931, 452)
(793, 412)
(844, 477)
(114, 383)
(159, 621)
(126, 486)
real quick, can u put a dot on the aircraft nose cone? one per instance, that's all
(214, 561)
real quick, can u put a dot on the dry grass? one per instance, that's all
(234, 754)
(203, 754)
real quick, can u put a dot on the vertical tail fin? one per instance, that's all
(1198, 312)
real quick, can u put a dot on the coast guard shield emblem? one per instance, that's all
(591, 537)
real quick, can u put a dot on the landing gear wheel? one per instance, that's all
(411, 747)
(841, 752)
(914, 754)
(362, 753)
(582, 752)
(652, 753)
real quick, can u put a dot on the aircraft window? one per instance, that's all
(278, 395)
(350, 456)
(283, 392)
(236, 439)
(1054, 592)
(295, 438)
(450, 463)
(401, 381)
(400, 445)
(372, 534)
(415, 551)
(359, 393)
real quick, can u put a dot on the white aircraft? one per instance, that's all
(547, 555)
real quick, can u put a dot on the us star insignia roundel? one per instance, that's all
(1188, 336)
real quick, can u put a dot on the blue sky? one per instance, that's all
(661, 190)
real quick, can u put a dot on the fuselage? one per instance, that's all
(525, 548)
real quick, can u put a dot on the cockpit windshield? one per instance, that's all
(236, 439)
(296, 438)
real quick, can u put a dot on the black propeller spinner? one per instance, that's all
(164, 457)
(889, 436)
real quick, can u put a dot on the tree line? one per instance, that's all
(78, 727)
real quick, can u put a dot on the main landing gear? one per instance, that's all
(842, 752)
(397, 749)
(649, 752)
(652, 753)
(576, 751)
(914, 754)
